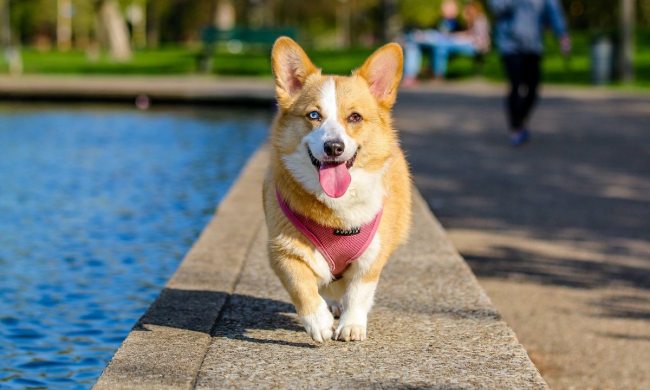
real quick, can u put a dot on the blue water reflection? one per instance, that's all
(97, 208)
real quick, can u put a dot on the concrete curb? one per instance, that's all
(168, 344)
(249, 91)
(177, 90)
(223, 321)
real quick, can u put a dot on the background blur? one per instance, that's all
(189, 36)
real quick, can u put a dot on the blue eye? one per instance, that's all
(314, 115)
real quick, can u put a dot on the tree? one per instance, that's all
(626, 63)
(5, 24)
(112, 29)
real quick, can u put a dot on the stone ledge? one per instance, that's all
(224, 321)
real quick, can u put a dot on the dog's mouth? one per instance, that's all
(318, 163)
(334, 176)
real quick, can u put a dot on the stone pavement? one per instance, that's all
(558, 231)
(224, 321)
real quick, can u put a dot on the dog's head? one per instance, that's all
(329, 127)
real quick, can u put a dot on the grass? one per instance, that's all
(182, 60)
(175, 61)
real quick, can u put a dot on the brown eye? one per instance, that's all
(355, 117)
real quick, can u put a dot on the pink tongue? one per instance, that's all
(334, 178)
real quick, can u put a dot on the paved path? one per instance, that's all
(224, 321)
(557, 232)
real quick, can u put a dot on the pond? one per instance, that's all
(97, 208)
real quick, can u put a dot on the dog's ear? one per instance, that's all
(291, 67)
(383, 72)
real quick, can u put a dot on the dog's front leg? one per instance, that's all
(357, 302)
(302, 284)
(361, 282)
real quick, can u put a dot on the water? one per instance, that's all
(97, 208)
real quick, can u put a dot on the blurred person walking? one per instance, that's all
(519, 26)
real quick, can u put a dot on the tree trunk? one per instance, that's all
(5, 27)
(114, 30)
(390, 23)
(64, 25)
(224, 15)
(626, 52)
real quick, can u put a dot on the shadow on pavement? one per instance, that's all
(510, 262)
(221, 315)
(583, 180)
(625, 306)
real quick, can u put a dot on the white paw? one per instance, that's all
(350, 332)
(319, 324)
(352, 326)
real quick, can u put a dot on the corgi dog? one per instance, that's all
(337, 196)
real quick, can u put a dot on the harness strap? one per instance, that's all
(339, 247)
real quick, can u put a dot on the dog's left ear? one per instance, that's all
(291, 67)
(383, 72)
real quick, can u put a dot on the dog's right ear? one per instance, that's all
(291, 67)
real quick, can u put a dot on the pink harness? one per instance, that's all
(339, 247)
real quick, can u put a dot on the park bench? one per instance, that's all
(236, 39)
(478, 61)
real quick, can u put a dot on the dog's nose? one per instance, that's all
(334, 148)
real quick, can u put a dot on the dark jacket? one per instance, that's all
(519, 24)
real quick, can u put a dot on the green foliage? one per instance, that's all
(419, 13)
(30, 18)
(178, 21)
(318, 21)
(178, 60)
(602, 15)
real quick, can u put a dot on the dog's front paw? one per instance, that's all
(319, 325)
(350, 332)
(352, 326)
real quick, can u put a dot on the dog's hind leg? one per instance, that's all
(333, 293)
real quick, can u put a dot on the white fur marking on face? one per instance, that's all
(365, 195)
(330, 129)
(319, 324)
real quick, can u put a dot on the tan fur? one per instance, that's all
(371, 93)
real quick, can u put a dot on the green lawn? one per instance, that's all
(181, 60)
(175, 61)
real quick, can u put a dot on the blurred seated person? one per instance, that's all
(448, 22)
(471, 42)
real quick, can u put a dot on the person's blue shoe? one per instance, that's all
(519, 138)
